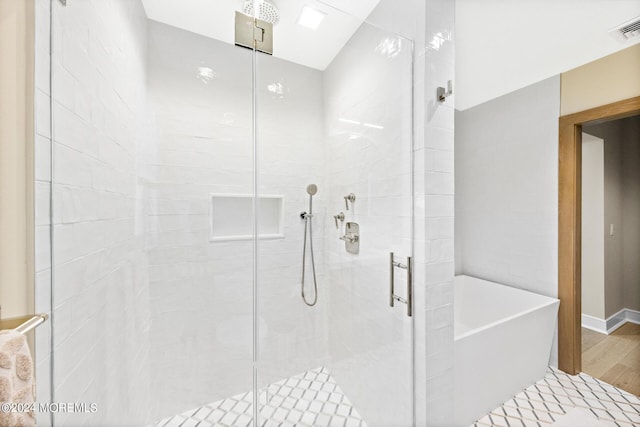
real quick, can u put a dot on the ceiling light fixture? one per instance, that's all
(311, 17)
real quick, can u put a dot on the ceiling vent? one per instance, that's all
(628, 30)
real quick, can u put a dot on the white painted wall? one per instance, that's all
(593, 237)
(507, 193)
(503, 48)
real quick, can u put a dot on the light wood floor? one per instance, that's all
(614, 358)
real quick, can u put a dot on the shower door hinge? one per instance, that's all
(254, 33)
(64, 2)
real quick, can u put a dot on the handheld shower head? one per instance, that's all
(312, 189)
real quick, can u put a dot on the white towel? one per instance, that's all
(16, 378)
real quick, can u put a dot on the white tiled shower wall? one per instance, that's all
(201, 291)
(431, 25)
(438, 214)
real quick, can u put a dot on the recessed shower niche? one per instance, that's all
(232, 217)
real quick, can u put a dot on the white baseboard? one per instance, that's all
(632, 316)
(594, 323)
(612, 322)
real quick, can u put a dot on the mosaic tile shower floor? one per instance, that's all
(558, 395)
(311, 399)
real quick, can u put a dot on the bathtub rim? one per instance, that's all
(495, 323)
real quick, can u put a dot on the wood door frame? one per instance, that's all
(569, 224)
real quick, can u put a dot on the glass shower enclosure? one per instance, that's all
(189, 176)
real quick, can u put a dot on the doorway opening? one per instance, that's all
(570, 222)
(610, 248)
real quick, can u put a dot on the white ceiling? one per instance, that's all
(501, 45)
(504, 45)
(313, 48)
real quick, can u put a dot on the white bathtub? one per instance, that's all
(502, 344)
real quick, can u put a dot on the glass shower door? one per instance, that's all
(152, 217)
(334, 179)
(189, 178)
(199, 187)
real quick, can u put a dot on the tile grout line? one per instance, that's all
(557, 389)
(288, 407)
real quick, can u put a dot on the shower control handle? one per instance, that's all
(349, 198)
(350, 237)
(339, 217)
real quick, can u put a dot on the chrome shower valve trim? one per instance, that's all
(349, 198)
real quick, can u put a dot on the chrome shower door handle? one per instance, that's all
(409, 287)
(391, 281)
(392, 296)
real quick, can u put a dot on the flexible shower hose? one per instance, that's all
(307, 224)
